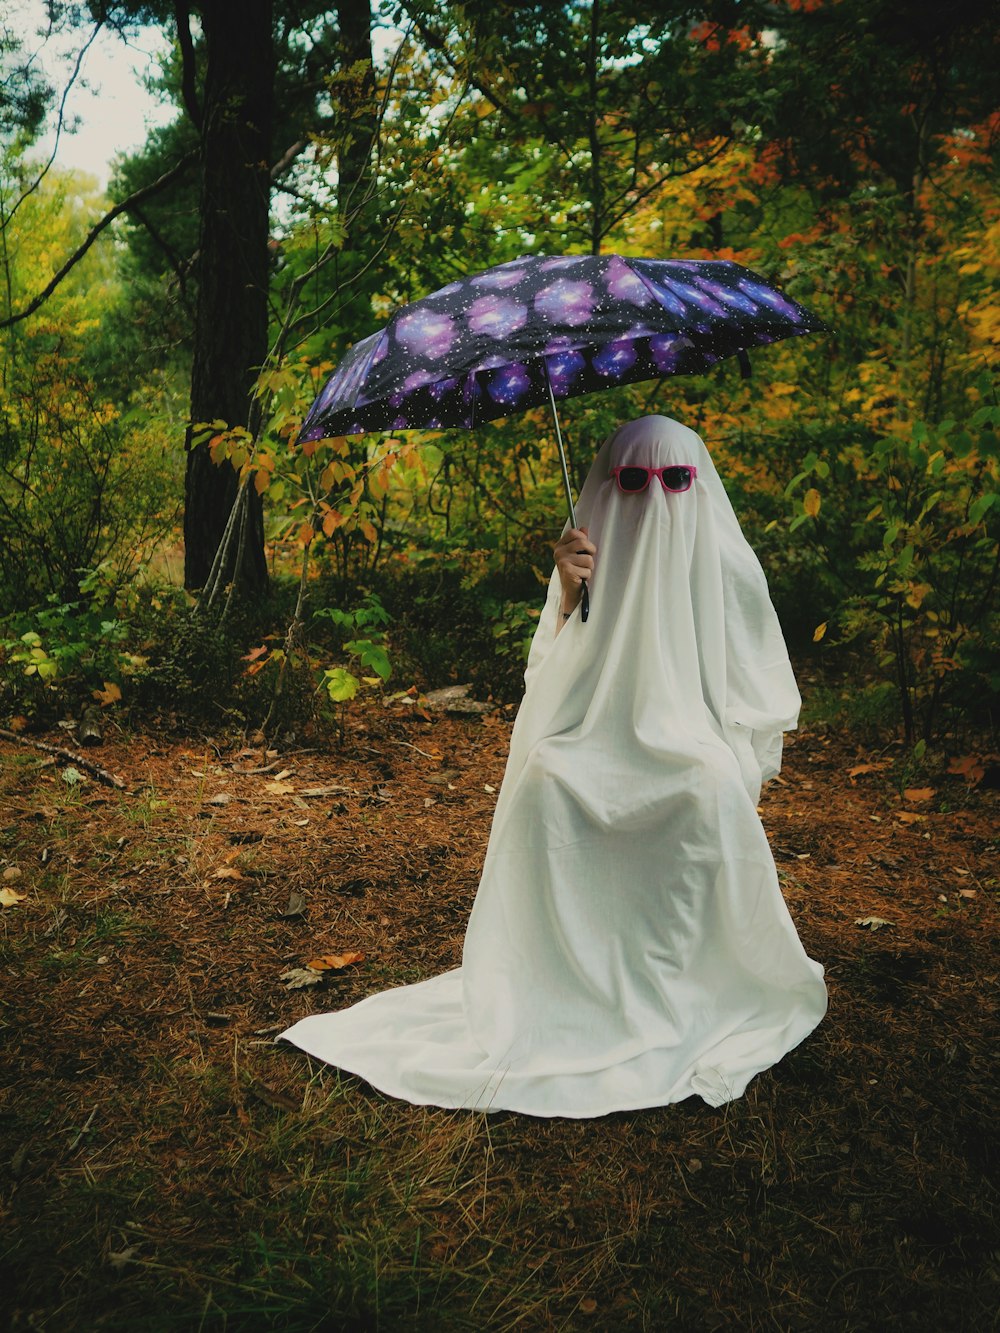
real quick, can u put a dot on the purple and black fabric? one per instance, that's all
(483, 347)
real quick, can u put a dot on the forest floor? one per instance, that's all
(165, 1165)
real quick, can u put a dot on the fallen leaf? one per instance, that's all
(871, 922)
(296, 904)
(118, 1259)
(488, 788)
(226, 872)
(298, 977)
(971, 767)
(967, 893)
(279, 788)
(72, 777)
(918, 794)
(909, 816)
(11, 873)
(858, 769)
(334, 962)
(323, 791)
(588, 1305)
(109, 695)
(11, 898)
(285, 773)
(273, 1097)
(222, 798)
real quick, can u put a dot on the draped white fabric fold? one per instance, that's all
(629, 945)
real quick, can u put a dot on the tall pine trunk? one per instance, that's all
(231, 323)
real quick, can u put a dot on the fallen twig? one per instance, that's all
(101, 774)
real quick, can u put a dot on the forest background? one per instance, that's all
(327, 163)
(227, 860)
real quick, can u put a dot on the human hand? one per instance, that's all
(574, 556)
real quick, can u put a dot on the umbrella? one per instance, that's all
(543, 328)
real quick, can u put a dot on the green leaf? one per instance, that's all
(377, 660)
(979, 509)
(340, 684)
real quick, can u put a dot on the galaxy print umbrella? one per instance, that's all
(540, 329)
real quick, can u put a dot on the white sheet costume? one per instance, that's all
(629, 945)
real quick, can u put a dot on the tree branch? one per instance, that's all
(287, 158)
(189, 90)
(60, 122)
(125, 206)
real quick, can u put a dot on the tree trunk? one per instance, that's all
(230, 339)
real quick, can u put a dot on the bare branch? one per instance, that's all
(180, 267)
(60, 121)
(125, 206)
(287, 158)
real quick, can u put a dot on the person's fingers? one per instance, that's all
(575, 541)
(575, 568)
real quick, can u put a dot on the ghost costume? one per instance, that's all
(629, 945)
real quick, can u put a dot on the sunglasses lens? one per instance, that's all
(633, 478)
(677, 478)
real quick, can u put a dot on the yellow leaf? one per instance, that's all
(329, 476)
(368, 532)
(918, 793)
(10, 897)
(279, 788)
(811, 502)
(261, 481)
(306, 534)
(818, 632)
(109, 695)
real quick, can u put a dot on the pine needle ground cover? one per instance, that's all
(165, 1165)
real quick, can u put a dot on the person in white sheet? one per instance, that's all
(629, 945)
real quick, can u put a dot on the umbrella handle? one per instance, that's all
(585, 599)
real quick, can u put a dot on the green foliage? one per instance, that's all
(846, 152)
(61, 653)
(910, 526)
(370, 650)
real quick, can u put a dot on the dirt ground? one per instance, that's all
(166, 1165)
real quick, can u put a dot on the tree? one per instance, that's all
(227, 86)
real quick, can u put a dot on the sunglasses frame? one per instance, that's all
(652, 472)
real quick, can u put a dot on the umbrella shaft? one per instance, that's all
(562, 451)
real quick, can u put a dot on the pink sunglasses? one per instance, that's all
(674, 477)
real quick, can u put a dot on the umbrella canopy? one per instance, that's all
(540, 328)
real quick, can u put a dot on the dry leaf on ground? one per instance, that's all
(298, 977)
(871, 922)
(333, 962)
(11, 898)
(111, 694)
(917, 794)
